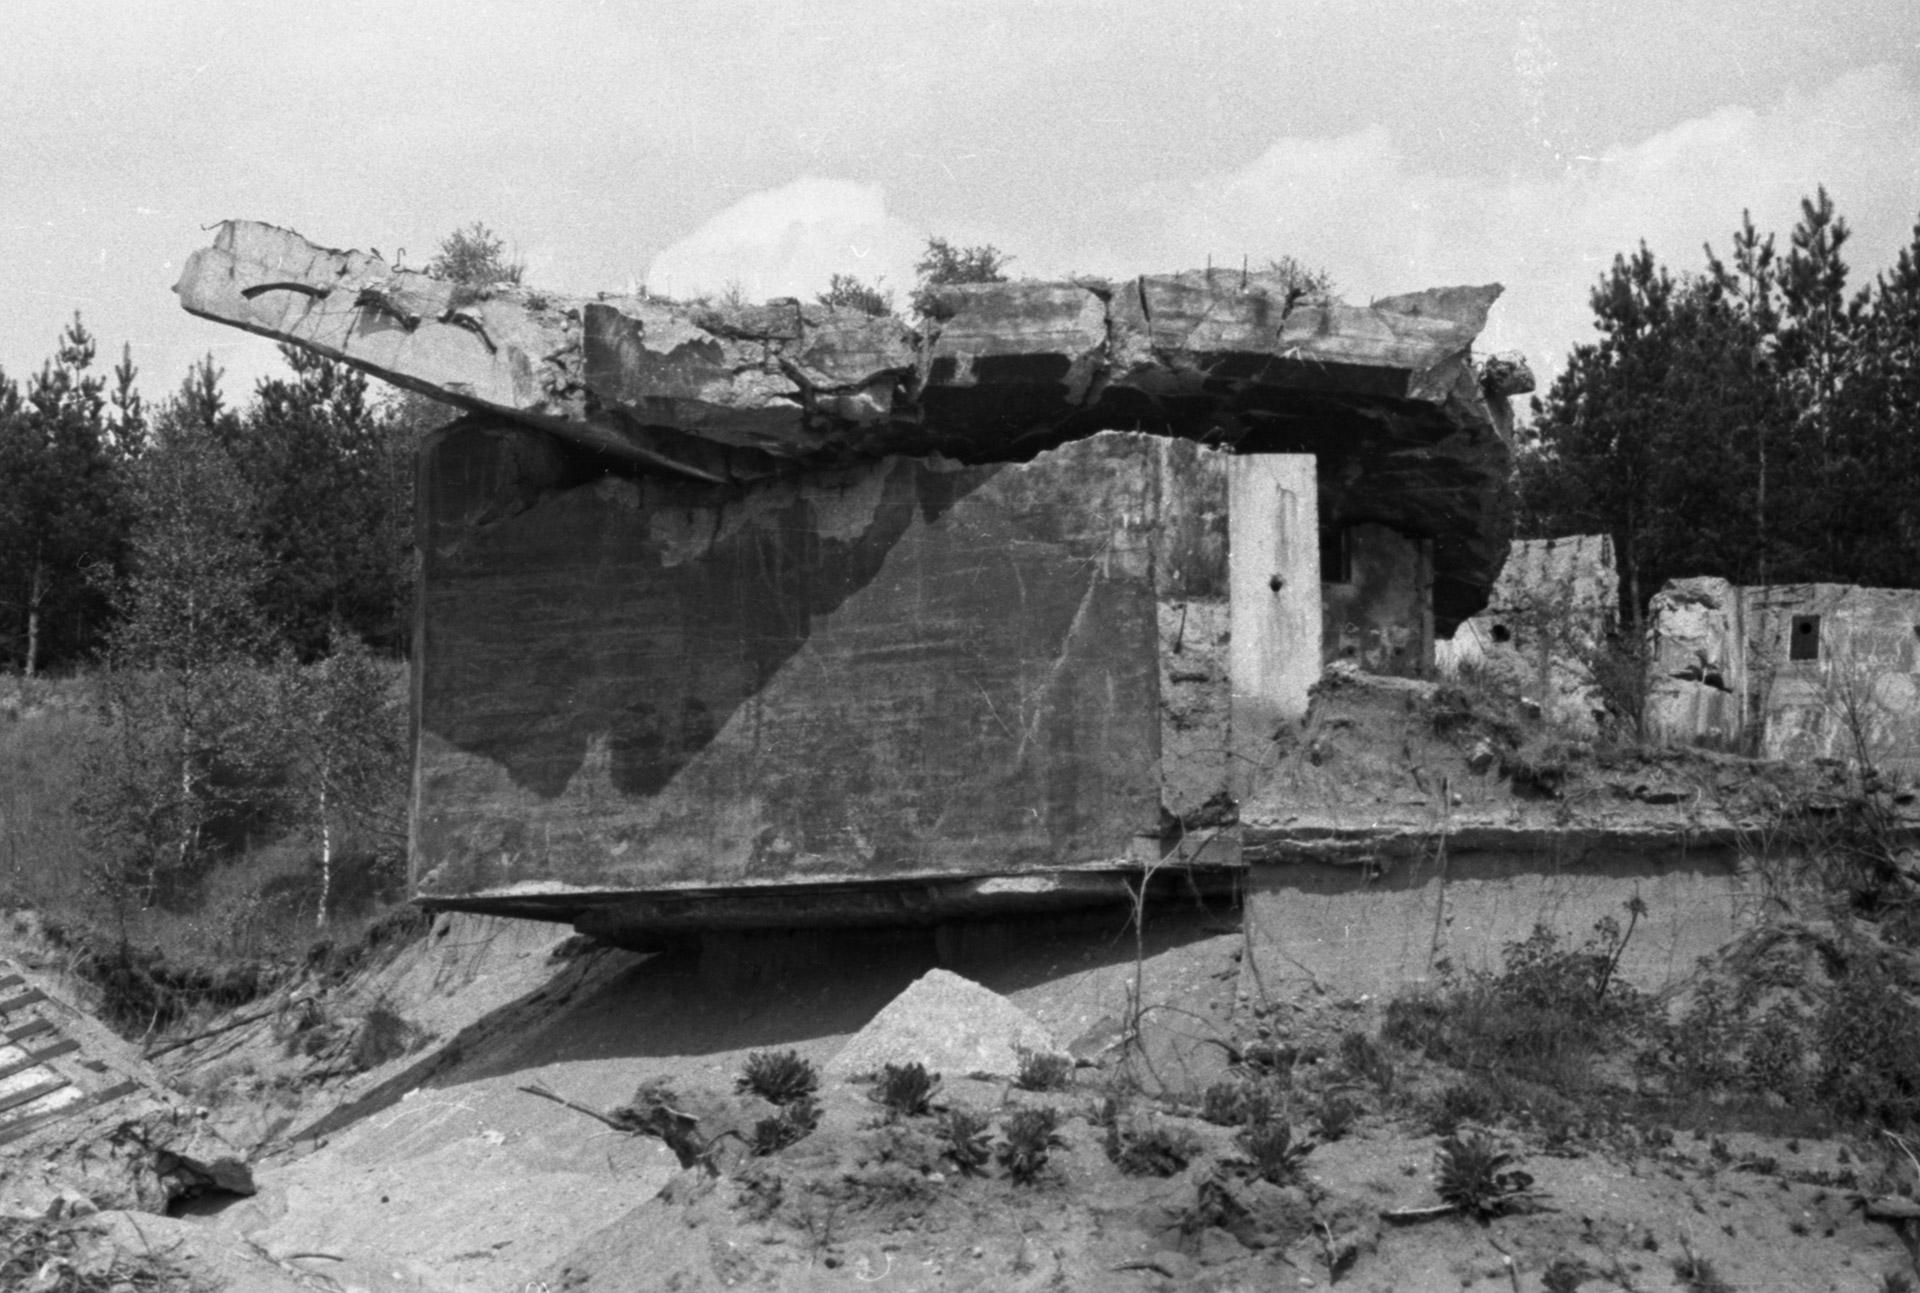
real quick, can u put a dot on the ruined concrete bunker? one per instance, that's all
(777, 615)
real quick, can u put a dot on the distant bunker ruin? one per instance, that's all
(738, 617)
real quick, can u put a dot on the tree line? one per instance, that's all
(1753, 418)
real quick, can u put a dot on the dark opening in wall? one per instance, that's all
(1501, 633)
(1804, 643)
(1336, 554)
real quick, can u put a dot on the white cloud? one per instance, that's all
(1381, 223)
(790, 241)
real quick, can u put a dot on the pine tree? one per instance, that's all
(331, 479)
(63, 509)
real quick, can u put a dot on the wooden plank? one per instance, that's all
(24, 999)
(58, 1049)
(19, 1127)
(11, 981)
(27, 1095)
(33, 1029)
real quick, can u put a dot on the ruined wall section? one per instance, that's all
(910, 667)
(1379, 614)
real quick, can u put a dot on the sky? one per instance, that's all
(692, 145)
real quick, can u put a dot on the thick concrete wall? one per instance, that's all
(1353, 931)
(1276, 625)
(1856, 693)
(906, 667)
(1381, 617)
(1791, 671)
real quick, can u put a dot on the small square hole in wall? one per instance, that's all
(1804, 644)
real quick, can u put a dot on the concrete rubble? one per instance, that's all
(1388, 395)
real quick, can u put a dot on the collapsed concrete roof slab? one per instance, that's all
(1409, 431)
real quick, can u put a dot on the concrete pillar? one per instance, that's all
(1274, 592)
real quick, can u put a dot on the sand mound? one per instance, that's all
(950, 1024)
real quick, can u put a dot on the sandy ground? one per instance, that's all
(435, 1171)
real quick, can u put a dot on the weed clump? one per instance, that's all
(1697, 1275)
(1041, 1070)
(1366, 1061)
(1334, 1115)
(778, 1077)
(795, 1121)
(1475, 1175)
(905, 1090)
(1273, 1153)
(1029, 1137)
(1238, 1103)
(52, 1256)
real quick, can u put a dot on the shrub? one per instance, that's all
(1273, 1152)
(906, 1090)
(1868, 1036)
(382, 1036)
(1543, 1017)
(966, 1138)
(1476, 1176)
(778, 1077)
(1029, 1136)
(1041, 1070)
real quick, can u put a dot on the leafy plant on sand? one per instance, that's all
(1028, 1138)
(966, 1139)
(906, 1090)
(1475, 1175)
(1156, 1150)
(778, 1077)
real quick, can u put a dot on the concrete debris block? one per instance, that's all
(951, 1025)
(1507, 373)
(70, 1205)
